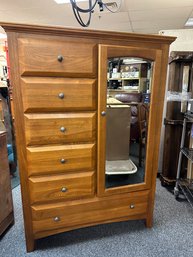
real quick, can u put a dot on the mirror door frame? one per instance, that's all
(155, 114)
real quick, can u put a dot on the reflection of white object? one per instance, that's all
(120, 167)
(3, 36)
(130, 87)
(136, 74)
(178, 96)
(115, 70)
(115, 75)
(131, 74)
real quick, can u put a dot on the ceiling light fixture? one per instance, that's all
(77, 10)
(189, 22)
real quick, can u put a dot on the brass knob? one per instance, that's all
(62, 161)
(62, 129)
(103, 113)
(56, 219)
(132, 206)
(61, 95)
(60, 58)
(64, 189)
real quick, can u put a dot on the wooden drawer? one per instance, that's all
(62, 158)
(39, 56)
(61, 187)
(58, 94)
(65, 216)
(59, 128)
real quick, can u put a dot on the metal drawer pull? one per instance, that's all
(60, 58)
(132, 206)
(56, 219)
(61, 95)
(103, 113)
(62, 161)
(62, 129)
(64, 189)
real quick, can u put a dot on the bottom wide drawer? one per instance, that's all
(50, 219)
(61, 187)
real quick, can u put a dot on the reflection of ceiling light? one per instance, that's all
(189, 22)
(3, 36)
(133, 61)
(67, 1)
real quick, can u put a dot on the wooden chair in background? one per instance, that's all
(1, 111)
(143, 118)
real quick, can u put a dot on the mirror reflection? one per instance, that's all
(127, 113)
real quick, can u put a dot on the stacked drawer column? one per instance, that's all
(58, 87)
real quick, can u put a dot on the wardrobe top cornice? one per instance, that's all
(86, 33)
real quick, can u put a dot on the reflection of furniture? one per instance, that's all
(60, 122)
(132, 77)
(120, 167)
(6, 205)
(132, 99)
(143, 118)
(118, 132)
(1, 111)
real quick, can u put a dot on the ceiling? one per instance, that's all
(141, 16)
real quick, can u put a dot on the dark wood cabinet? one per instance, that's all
(6, 204)
(179, 80)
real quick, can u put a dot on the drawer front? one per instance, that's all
(63, 158)
(58, 94)
(93, 211)
(61, 187)
(41, 56)
(59, 128)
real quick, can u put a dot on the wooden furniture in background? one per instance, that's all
(174, 117)
(132, 77)
(59, 93)
(1, 111)
(6, 204)
(143, 119)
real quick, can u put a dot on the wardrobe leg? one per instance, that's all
(149, 221)
(30, 245)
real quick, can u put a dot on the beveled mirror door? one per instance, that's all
(124, 72)
(127, 116)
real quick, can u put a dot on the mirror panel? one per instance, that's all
(127, 112)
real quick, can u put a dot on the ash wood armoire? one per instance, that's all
(59, 77)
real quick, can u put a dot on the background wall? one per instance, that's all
(184, 42)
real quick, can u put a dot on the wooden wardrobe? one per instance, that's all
(59, 79)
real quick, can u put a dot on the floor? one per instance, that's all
(15, 180)
(171, 235)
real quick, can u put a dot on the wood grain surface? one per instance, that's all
(47, 159)
(42, 94)
(36, 59)
(49, 188)
(43, 129)
(38, 77)
(6, 203)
